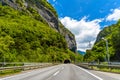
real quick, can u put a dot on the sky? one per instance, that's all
(86, 18)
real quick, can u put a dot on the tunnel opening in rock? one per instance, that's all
(67, 61)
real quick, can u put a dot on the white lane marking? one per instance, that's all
(56, 73)
(90, 73)
(7, 78)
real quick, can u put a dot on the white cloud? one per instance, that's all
(114, 16)
(83, 30)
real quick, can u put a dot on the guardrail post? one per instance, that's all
(23, 66)
(14, 67)
(2, 66)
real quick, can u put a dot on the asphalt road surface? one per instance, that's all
(63, 72)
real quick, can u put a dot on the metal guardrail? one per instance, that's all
(105, 66)
(22, 66)
(84, 65)
(112, 65)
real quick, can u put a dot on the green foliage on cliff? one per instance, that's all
(24, 38)
(44, 3)
(98, 52)
(47, 5)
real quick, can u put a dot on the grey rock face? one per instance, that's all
(71, 42)
(48, 16)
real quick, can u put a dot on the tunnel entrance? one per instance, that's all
(67, 61)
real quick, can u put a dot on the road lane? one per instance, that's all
(72, 72)
(61, 72)
(38, 74)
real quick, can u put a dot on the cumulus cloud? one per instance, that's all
(114, 16)
(84, 31)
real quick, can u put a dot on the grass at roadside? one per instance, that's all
(114, 70)
(8, 72)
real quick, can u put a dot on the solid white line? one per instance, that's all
(90, 73)
(56, 73)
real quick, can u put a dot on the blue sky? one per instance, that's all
(86, 18)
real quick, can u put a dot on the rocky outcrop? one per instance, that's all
(70, 38)
(40, 6)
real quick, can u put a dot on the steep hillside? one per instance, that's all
(112, 35)
(41, 10)
(30, 31)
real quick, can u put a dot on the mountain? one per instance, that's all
(43, 11)
(31, 31)
(81, 52)
(111, 35)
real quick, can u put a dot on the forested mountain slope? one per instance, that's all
(30, 31)
(98, 52)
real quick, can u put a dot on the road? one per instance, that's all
(63, 72)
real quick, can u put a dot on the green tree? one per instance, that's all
(116, 42)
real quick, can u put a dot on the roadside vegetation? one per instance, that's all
(49, 6)
(98, 52)
(107, 69)
(9, 72)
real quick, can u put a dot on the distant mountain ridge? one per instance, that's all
(81, 52)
